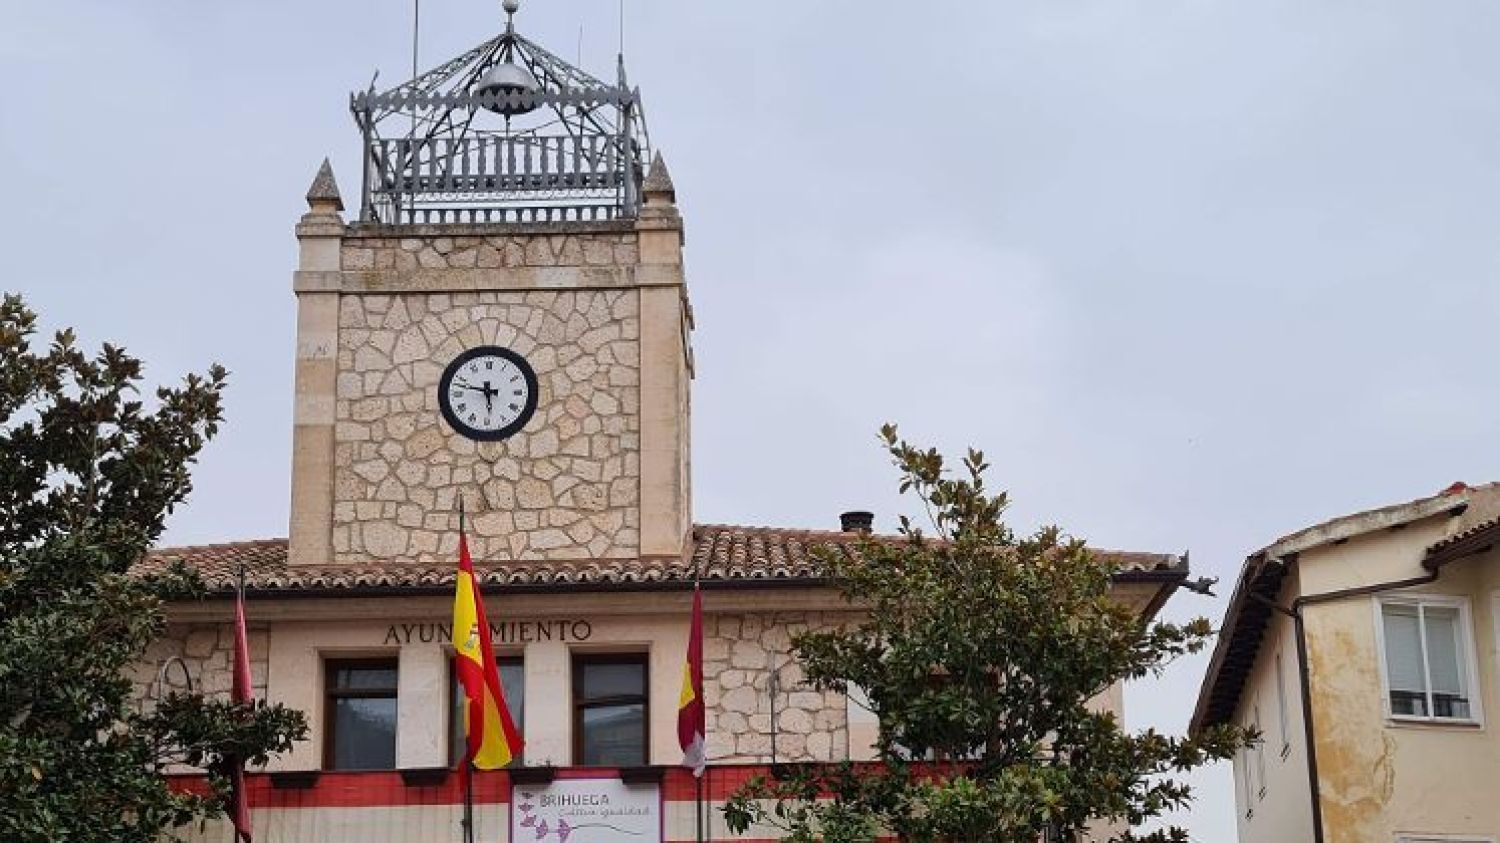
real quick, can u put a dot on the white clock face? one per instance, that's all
(488, 393)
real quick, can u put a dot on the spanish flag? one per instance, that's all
(492, 737)
(691, 722)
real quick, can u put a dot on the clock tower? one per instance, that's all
(504, 326)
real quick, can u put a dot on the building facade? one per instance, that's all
(501, 338)
(1364, 649)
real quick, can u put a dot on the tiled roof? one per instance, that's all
(1476, 531)
(726, 554)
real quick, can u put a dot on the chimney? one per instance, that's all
(857, 521)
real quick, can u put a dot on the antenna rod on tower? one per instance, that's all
(416, 28)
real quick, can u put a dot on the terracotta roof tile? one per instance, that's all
(725, 553)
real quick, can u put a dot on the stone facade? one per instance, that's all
(566, 487)
(494, 251)
(207, 650)
(739, 653)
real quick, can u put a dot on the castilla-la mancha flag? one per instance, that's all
(691, 720)
(240, 692)
(492, 737)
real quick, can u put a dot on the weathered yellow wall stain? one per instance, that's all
(1356, 769)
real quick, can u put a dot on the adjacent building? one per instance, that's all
(1364, 650)
(504, 326)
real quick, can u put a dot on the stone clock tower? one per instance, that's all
(508, 212)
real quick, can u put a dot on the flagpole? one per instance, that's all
(469, 803)
(698, 780)
(468, 762)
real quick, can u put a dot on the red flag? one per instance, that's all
(240, 693)
(691, 714)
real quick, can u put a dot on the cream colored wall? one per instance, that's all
(300, 636)
(1281, 810)
(299, 649)
(1381, 777)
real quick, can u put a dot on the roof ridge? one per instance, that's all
(178, 548)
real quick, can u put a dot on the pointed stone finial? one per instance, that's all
(658, 181)
(324, 189)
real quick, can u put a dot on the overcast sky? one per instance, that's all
(1194, 274)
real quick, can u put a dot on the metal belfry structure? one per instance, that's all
(506, 132)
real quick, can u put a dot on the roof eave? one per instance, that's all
(1481, 539)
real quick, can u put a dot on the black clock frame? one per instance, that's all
(446, 406)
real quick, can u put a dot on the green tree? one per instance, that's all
(88, 473)
(979, 651)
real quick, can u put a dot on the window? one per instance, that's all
(1281, 711)
(609, 710)
(361, 715)
(512, 684)
(1428, 659)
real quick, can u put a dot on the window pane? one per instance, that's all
(364, 733)
(1444, 650)
(1403, 648)
(513, 683)
(350, 677)
(614, 735)
(602, 680)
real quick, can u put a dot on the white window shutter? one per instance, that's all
(1403, 648)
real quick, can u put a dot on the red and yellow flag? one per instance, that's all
(691, 720)
(492, 737)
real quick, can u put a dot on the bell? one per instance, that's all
(507, 78)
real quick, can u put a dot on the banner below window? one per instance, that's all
(586, 811)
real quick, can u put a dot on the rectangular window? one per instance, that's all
(609, 710)
(1428, 668)
(512, 683)
(360, 732)
(1283, 719)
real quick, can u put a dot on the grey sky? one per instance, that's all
(1194, 274)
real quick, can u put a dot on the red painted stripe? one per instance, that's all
(368, 789)
(361, 790)
(722, 781)
(761, 840)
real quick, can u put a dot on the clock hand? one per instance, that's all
(489, 397)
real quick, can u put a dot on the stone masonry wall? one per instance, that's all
(490, 251)
(739, 653)
(565, 487)
(208, 652)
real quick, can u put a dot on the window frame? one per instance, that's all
(576, 663)
(332, 694)
(454, 731)
(1468, 660)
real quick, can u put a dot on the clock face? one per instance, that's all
(488, 393)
